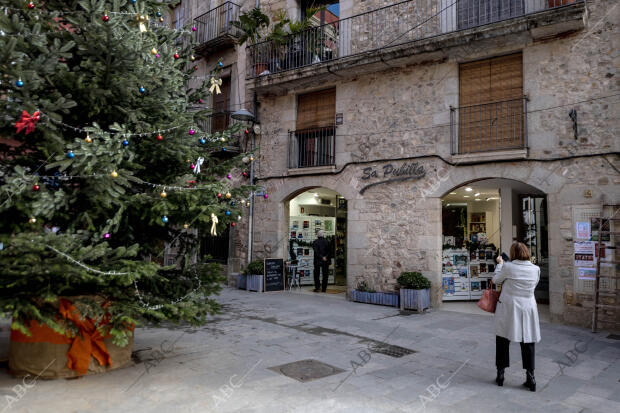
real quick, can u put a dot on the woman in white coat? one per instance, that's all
(516, 315)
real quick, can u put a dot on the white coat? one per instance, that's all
(516, 314)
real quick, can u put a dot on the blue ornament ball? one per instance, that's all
(232, 203)
(224, 149)
(142, 89)
(19, 83)
(125, 142)
(70, 155)
(220, 64)
(227, 212)
(133, 1)
(164, 219)
(158, 14)
(202, 141)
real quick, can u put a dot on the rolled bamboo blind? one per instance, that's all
(316, 109)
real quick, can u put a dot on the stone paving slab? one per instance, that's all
(224, 365)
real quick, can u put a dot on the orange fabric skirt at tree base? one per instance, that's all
(88, 342)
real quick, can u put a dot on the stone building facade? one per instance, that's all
(398, 103)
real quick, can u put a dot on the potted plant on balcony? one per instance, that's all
(253, 24)
(415, 293)
(255, 276)
(364, 294)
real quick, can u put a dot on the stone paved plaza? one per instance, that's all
(228, 364)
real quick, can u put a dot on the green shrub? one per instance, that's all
(363, 287)
(413, 281)
(255, 268)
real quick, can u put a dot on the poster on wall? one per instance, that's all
(584, 254)
(586, 273)
(448, 285)
(582, 230)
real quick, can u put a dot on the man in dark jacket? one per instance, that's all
(321, 262)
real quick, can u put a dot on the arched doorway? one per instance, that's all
(310, 211)
(480, 220)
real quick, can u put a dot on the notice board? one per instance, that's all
(274, 274)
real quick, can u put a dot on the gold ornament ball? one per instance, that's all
(161, 19)
(32, 220)
(163, 194)
(185, 226)
(247, 204)
(251, 159)
(88, 139)
(223, 139)
(192, 58)
(114, 174)
(228, 195)
(154, 50)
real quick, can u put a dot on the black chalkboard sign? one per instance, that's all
(274, 274)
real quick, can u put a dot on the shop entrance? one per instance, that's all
(480, 220)
(311, 211)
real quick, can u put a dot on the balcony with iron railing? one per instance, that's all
(312, 147)
(489, 127)
(412, 27)
(215, 30)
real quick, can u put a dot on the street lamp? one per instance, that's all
(243, 114)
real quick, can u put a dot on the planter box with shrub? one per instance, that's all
(415, 291)
(380, 298)
(255, 276)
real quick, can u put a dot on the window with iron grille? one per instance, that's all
(492, 109)
(313, 141)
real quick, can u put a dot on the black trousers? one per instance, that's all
(318, 267)
(502, 356)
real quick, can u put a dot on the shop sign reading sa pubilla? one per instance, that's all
(391, 173)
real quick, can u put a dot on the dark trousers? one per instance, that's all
(502, 356)
(318, 267)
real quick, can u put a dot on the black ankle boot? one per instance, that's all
(500, 377)
(530, 381)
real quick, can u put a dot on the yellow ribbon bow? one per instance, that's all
(142, 20)
(214, 225)
(215, 85)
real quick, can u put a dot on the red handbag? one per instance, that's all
(489, 299)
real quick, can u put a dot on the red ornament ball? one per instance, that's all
(176, 56)
(247, 132)
(245, 174)
(35, 187)
(31, 5)
(160, 138)
(219, 195)
(105, 18)
(232, 224)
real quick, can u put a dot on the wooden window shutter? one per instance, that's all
(316, 109)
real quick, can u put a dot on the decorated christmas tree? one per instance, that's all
(104, 165)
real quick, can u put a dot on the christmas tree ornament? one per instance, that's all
(214, 222)
(158, 13)
(201, 101)
(227, 213)
(157, 56)
(195, 68)
(232, 203)
(36, 187)
(70, 155)
(19, 82)
(163, 193)
(247, 204)
(228, 195)
(215, 86)
(159, 137)
(202, 141)
(251, 159)
(223, 139)
(191, 131)
(185, 226)
(27, 122)
(154, 51)
(133, 1)
(232, 224)
(192, 166)
(32, 220)
(31, 5)
(164, 219)
(114, 174)
(125, 142)
(142, 90)
(245, 159)
(247, 132)
(229, 176)
(265, 196)
(219, 196)
(106, 235)
(244, 173)
(176, 56)
(142, 22)
(199, 163)
(238, 217)
(192, 58)
(194, 28)
(88, 139)
(220, 64)
(161, 19)
(224, 149)
(105, 17)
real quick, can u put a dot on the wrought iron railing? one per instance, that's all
(489, 126)
(400, 23)
(217, 22)
(312, 147)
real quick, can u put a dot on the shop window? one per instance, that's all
(491, 113)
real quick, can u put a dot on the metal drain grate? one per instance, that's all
(390, 350)
(306, 370)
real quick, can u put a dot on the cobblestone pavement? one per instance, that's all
(227, 365)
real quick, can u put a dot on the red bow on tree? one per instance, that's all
(28, 122)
